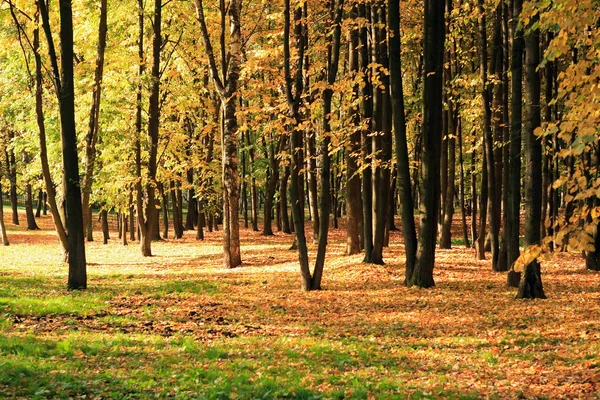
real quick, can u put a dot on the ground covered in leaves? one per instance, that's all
(179, 325)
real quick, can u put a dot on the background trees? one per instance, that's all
(349, 82)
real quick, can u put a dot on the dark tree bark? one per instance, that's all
(165, 210)
(514, 173)
(104, 220)
(149, 225)
(366, 109)
(531, 279)
(311, 281)
(31, 224)
(353, 194)
(382, 144)
(176, 211)
(66, 96)
(124, 227)
(40, 204)
(402, 159)
(433, 54)
(486, 94)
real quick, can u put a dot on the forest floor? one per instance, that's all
(179, 325)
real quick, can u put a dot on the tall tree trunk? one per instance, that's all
(514, 173)
(64, 82)
(383, 142)
(151, 210)
(353, 195)
(488, 139)
(433, 54)
(531, 279)
(366, 109)
(402, 159)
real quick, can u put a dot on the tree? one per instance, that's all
(92, 133)
(402, 159)
(433, 54)
(514, 173)
(353, 182)
(226, 84)
(531, 279)
(148, 225)
(65, 90)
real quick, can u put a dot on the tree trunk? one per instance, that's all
(104, 218)
(488, 142)
(382, 142)
(483, 207)
(40, 204)
(433, 54)
(353, 195)
(531, 280)
(124, 222)
(402, 158)
(463, 211)
(165, 211)
(176, 211)
(271, 184)
(31, 224)
(11, 169)
(514, 173)
(89, 225)
(364, 61)
(72, 191)
(5, 241)
(253, 192)
(283, 183)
